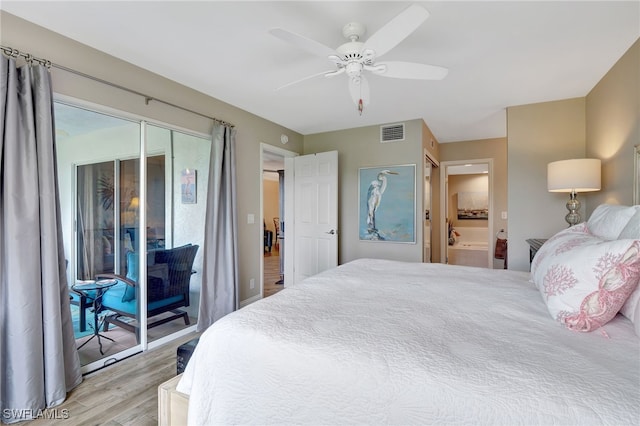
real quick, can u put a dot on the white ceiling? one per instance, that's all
(499, 54)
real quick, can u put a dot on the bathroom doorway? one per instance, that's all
(272, 209)
(466, 205)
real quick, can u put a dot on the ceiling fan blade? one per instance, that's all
(396, 30)
(359, 90)
(329, 73)
(307, 44)
(410, 70)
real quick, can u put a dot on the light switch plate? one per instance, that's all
(251, 218)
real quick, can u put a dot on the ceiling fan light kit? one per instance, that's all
(354, 57)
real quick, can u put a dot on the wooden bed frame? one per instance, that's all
(172, 405)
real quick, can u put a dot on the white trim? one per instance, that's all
(290, 212)
(142, 239)
(434, 162)
(107, 361)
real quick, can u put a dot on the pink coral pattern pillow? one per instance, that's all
(583, 279)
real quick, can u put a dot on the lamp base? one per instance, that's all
(573, 205)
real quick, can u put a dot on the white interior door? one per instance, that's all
(311, 236)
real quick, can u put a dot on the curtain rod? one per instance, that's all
(15, 53)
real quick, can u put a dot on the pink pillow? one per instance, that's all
(583, 279)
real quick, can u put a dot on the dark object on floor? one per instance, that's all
(501, 247)
(268, 238)
(184, 354)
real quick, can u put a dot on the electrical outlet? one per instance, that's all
(504, 215)
(252, 284)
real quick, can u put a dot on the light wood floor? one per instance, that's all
(272, 273)
(122, 340)
(125, 393)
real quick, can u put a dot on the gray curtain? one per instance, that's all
(219, 294)
(38, 358)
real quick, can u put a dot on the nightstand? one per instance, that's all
(534, 246)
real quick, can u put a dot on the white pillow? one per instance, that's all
(631, 309)
(632, 229)
(583, 279)
(608, 220)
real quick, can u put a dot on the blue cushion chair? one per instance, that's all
(168, 276)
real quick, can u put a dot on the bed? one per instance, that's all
(385, 342)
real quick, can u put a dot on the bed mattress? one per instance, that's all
(386, 342)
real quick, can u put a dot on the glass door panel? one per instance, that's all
(98, 170)
(95, 220)
(177, 169)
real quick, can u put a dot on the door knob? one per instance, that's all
(332, 232)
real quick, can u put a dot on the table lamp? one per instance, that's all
(573, 176)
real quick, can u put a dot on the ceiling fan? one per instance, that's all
(354, 57)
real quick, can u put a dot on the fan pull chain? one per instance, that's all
(360, 103)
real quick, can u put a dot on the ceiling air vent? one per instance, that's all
(392, 133)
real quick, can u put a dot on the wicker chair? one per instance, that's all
(168, 276)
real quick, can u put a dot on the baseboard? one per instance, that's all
(250, 300)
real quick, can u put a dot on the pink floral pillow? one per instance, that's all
(583, 279)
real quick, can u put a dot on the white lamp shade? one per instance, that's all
(579, 175)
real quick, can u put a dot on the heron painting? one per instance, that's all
(387, 203)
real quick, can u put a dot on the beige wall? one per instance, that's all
(361, 147)
(271, 194)
(613, 128)
(537, 135)
(495, 149)
(251, 130)
(605, 124)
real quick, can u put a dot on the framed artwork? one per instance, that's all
(387, 203)
(636, 174)
(188, 186)
(473, 205)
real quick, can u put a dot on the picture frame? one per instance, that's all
(387, 204)
(473, 205)
(636, 174)
(188, 186)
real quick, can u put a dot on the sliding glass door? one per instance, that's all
(118, 223)
(98, 156)
(175, 228)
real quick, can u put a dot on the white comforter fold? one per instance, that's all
(386, 342)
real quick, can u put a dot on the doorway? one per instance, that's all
(272, 211)
(430, 164)
(466, 206)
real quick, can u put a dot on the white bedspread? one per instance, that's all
(386, 342)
